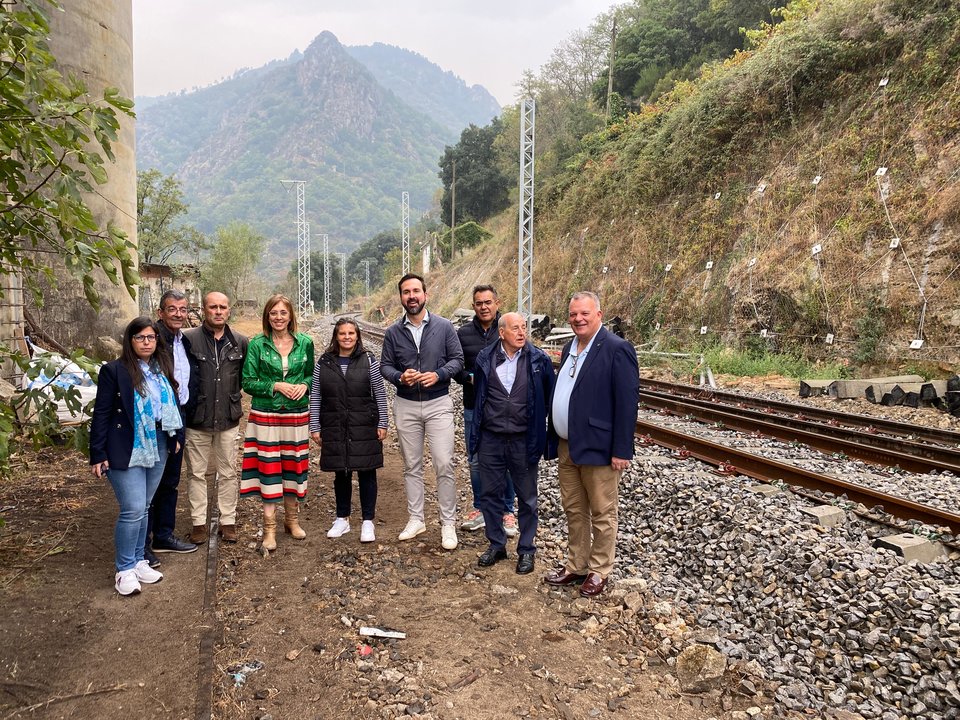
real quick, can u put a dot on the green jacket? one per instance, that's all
(263, 367)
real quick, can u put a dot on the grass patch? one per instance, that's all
(743, 363)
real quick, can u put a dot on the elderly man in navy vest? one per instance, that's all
(593, 418)
(513, 381)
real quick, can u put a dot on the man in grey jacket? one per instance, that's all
(216, 357)
(421, 354)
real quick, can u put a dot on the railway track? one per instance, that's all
(831, 418)
(732, 461)
(833, 436)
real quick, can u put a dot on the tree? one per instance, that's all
(563, 90)
(53, 141)
(51, 136)
(467, 235)
(237, 251)
(483, 189)
(663, 41)
(160, 207)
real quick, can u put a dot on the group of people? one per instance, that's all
(516, 412)
(173, 400)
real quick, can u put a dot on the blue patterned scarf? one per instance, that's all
(145, 451)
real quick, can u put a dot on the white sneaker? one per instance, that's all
(448, 537)
(510, 525)
(147, 574)
(367, 533)
(341, 526)
(414, 527)
(126, 582)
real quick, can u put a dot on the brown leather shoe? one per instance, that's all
(228, 533)
(593, 585)
(198, 535)
(560, 576)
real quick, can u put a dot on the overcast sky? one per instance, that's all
(179, 44)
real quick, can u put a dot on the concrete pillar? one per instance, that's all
(93, 40)
(11, 324)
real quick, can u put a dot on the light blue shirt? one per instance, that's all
(416, 330)
(181, 368)
(153, 390)
(564, 387)
(507, 370)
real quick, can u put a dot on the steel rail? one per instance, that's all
(209, 624)
(906, 455)
(732, 461)
(832, 417)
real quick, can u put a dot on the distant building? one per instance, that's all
(157, 279)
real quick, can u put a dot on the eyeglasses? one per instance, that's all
(145, 338)
(171, 310)
(573, 363)
(483, 303)
(278, 314)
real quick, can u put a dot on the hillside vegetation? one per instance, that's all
(749, 206)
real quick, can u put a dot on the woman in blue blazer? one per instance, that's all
(135, 424)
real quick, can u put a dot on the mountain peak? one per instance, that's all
(325, 41)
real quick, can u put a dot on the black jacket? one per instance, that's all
(473, 339)
(217, 379)
(348, 415)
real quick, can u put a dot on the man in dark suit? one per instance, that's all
(162, 514)
(593, 417)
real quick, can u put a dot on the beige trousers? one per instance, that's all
(589, 494)
(431, 421)
(199, 446)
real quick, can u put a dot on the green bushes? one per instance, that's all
(750, 363)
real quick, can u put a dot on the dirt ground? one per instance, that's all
(479, 643)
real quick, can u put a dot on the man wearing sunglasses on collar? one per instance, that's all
(592, 421)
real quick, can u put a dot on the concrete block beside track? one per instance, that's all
(911, 547)
(843, 389)
(826, 515)
(765, 489)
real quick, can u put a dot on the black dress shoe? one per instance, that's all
(525, 563)
(492, 556)
(560, 576)
(173, 545)
(592, 586)
(151, 559)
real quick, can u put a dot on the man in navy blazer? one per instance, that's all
(592, 421)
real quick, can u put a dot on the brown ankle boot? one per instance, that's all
(269, 526)
(291, 511)
(198, 535)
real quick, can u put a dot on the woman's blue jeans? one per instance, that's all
(134, 488)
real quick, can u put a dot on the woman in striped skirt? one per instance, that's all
(276, 453)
